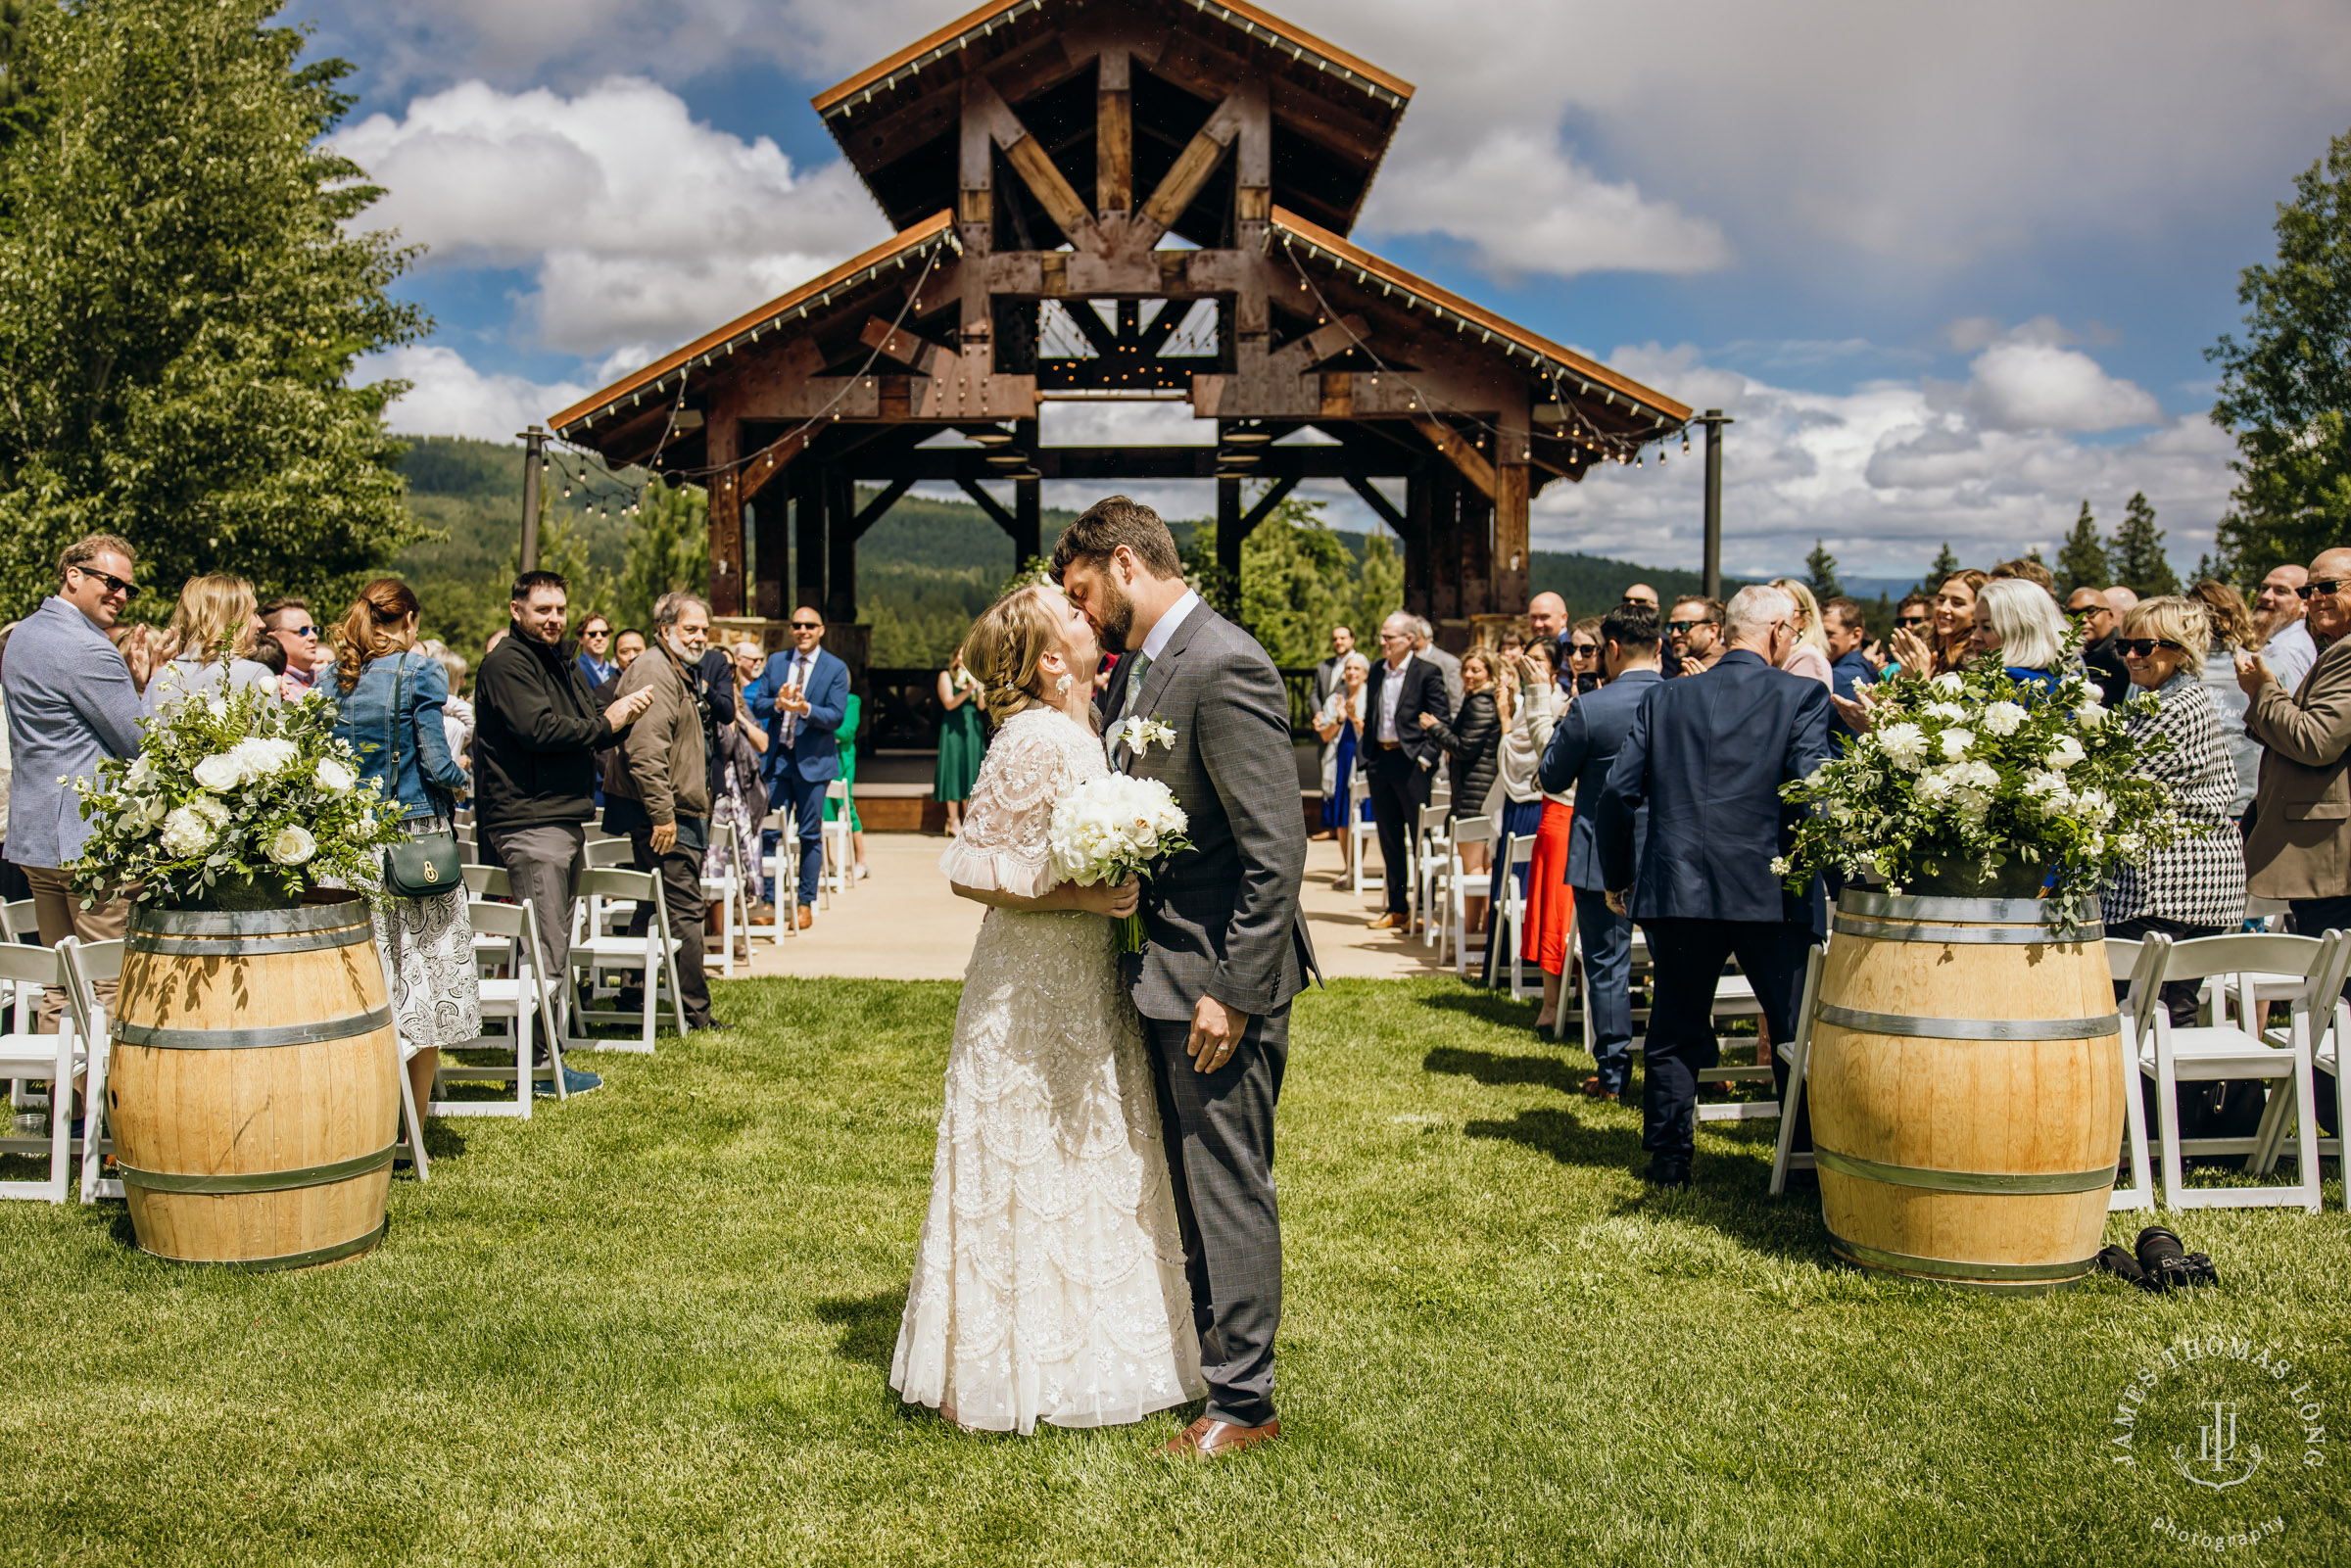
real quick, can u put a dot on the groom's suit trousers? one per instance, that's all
(1219, 1131)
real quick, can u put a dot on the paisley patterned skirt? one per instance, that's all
(427, 948)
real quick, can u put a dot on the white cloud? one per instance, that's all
(451, 398)
(1883, 474)
(640, 223)
(2037, 386)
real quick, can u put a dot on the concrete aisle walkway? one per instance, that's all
(902, 923)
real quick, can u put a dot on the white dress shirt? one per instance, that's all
(1157, 642)
(2291, 654)
(1391, 691)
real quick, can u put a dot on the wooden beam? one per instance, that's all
(1329, 338)
(1193, 166)
(1229, 540)
(760, 469)
(1114, 135)
(1266, 503)
(988, 505)
(719, 435)
(870, 513)
(1512, 560)
(1029, 160)
(1463, 455)
(907, 347)
(1380, 503)
(809, 485)
(841, 547)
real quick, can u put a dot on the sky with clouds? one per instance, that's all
(1952, 269)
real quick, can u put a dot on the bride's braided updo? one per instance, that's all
(1005, 648)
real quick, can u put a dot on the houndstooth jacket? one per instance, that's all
(2200, 880)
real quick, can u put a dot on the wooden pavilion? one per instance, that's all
(1119, 198)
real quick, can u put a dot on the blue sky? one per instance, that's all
(1953, 269)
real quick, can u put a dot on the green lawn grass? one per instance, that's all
(652, 1326)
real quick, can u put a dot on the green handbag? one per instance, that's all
(426, 866)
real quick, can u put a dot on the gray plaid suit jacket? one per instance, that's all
(1224, 919)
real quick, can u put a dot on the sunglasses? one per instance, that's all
(2079, 610)
(596, 637)
(300, 631)
(1912, 620)
(1584, 651)
(117, 585)
(2142, 646)
(2316, 585)
(808, 626)
(1679, 628)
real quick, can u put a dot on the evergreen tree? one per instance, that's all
(2082, 560)
(183, 306)
(1820, 573)
(2138, 560)
(1940, 569)
(2285, 390)
(670, 551)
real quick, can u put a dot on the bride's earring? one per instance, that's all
(1063, 685)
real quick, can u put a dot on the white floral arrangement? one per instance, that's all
(232, 788)
(1113, 828)
(1962, 775)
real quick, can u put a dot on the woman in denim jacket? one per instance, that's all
(390, 697)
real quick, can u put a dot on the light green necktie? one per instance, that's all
(1135, 682)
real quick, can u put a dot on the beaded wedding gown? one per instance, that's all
(1049, 1283)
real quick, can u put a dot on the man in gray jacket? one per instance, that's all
(72, 703)
(1227, 947)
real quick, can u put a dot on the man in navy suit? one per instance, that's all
(1404, 752)
(1707, 754)
(1583, 747)
(801, 696)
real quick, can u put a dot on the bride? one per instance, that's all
(1049, 1282)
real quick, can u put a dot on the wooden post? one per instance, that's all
(840, 548)
(1114, 135)
(1420, 511)
(726, 514)
(771, 528)
(808, 483)
(1445, 545)
(1229, 540)
(1513, 552)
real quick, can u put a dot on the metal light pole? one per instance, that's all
(1714, 419)
(534, 459)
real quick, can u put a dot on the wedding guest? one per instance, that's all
(750, 665)
(295, 629)
(2026, 569)
(2299, 846)
(851, 716)
(1471, 740)
(1707, 757)
(1644, 595)
(389, 701)
(1955, 619)
(1424, 646)
(738, 800)
(2285, 645)
(1694, 636)
(658, 792)
(1914, 618)
(2196, 886)
(625, 648)
(2020, 623)
(1579, 653)
(1326, 672)
(596, 637)
(1846, 630)
(1810, 655)
(1583, 749)
(2123, 600)
(803, 698)
(1531, 699)
(1403, 756)
(962, 740)
(2232, 622)
(456, 712)
(213, 628)
(2094, 618)
(1340, 724)
(72, 703)
(1546, 623)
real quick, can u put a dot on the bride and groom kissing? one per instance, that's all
(1102, 1240)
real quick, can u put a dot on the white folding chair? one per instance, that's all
(83, 966)
(840, 849)
(505, 939)
(2133, 962)
(1575, 987)
(56, 1058)
(726, 889)
(1430, 855)
(1734, 998)
(2330, 1057)
(653, 957)
(2204, 1054)
(1510, 921)
(20, 1004)
(781, 866)
(1362, 833)
(1459, 886)
(1797, 1054)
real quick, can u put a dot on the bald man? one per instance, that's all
(1546, 617)
(2299, 848)
(2278, 614)
(1643, 593)
(2121, 601)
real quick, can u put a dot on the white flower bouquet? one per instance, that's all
(1975, 785)
(235, 799)
(1113, 828)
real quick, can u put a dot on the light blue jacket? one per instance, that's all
(365, 718)
(70, 707)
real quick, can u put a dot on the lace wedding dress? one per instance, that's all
(1049, 1283)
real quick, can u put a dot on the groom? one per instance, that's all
(1227, 947)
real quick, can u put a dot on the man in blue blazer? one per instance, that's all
(801, 696)
(1583, 747)
(1707, 754)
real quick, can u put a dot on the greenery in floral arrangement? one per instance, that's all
(234, 788)
(1972, 770)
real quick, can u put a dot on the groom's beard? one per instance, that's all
(1117, 622)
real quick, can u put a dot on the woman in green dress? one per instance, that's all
(847, 741)
(962, 742)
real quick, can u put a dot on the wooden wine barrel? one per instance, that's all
(1966, 1091)
(255, 1084)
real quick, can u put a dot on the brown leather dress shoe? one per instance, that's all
(1208, 1439)
(807, 916)
(1385, 923)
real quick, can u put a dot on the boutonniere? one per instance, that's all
(1141, 735)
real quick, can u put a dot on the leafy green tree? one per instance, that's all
(2082, 560)
(2138, 560)
(1820, 573)
(1378, 593)
(181, 305)
(670, 551)
(2285, 388)
(1940, 569)
(1296, 582)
